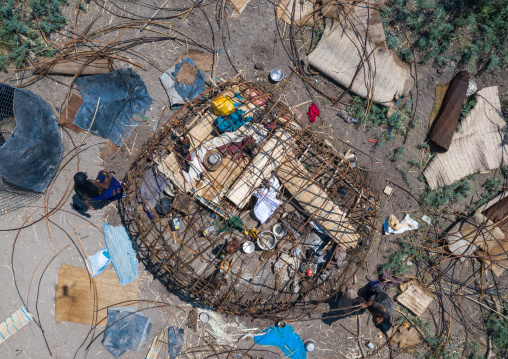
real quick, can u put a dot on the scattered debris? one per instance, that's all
(388, 191)
(427, 219)
(393, 226)
(406, 337)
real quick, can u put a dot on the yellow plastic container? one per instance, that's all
(223, 106)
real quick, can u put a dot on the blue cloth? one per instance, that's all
(284, 338)
(114, 190)
(232, 122)
(31, 155)
(122, 95)
(126, 330)
(121, 252)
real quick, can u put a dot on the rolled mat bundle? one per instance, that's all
(449, 114)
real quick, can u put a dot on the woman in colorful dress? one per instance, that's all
(104, 189)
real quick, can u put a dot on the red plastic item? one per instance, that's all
(313, 113)
(309, 273)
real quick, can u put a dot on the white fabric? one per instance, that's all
(97, 262)
(412, 225)
(195, 168)
(267, 201)
(169, 85)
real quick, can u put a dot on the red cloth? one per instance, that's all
(313, 113)
(236, 149)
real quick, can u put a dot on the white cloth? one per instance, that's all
(195, 168)
(267, 201)
(97, 262)
(412, 225)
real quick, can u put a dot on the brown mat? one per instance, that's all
(381, 76)
(69, 112)
(478, 146)
(74, 295)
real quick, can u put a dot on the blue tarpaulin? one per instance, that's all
(180, 93)
(31, 155)
(126, 330)
(284, 338)
(121, 252)
(122, 95)
(175, 341)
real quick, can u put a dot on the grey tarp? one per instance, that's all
(31, 155)
(122, 95)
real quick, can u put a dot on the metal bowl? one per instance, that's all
(204, 317)
(279, 230)
(276, 75)
(266, 240)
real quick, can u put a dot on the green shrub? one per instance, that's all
(443, 196)
(22, 27)
(478, 28)
(377, 116)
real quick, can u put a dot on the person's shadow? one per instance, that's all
(340, 305)
(79, 206)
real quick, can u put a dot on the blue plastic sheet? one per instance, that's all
(32, 154)
(126, 330)
(121, 252)
(122, 95)
(180, 93)
(175, 341)
(284, 338)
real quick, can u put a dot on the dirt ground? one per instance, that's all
(32, 256)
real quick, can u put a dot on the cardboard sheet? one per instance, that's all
(74, 296)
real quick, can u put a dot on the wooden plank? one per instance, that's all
(74, 296)
(71, 68)
(316, 202)
(273, 153)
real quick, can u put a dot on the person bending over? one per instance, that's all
(104, 188)
(380, 305)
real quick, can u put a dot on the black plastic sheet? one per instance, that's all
(31, 155)
(122, 95)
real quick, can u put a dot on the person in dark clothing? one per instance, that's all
(380, 305)
(104, 188)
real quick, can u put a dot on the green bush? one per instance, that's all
(378, 116)
(443, 196)
(22, 27)
(478, 28)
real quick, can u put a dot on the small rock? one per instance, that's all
(259, 66)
